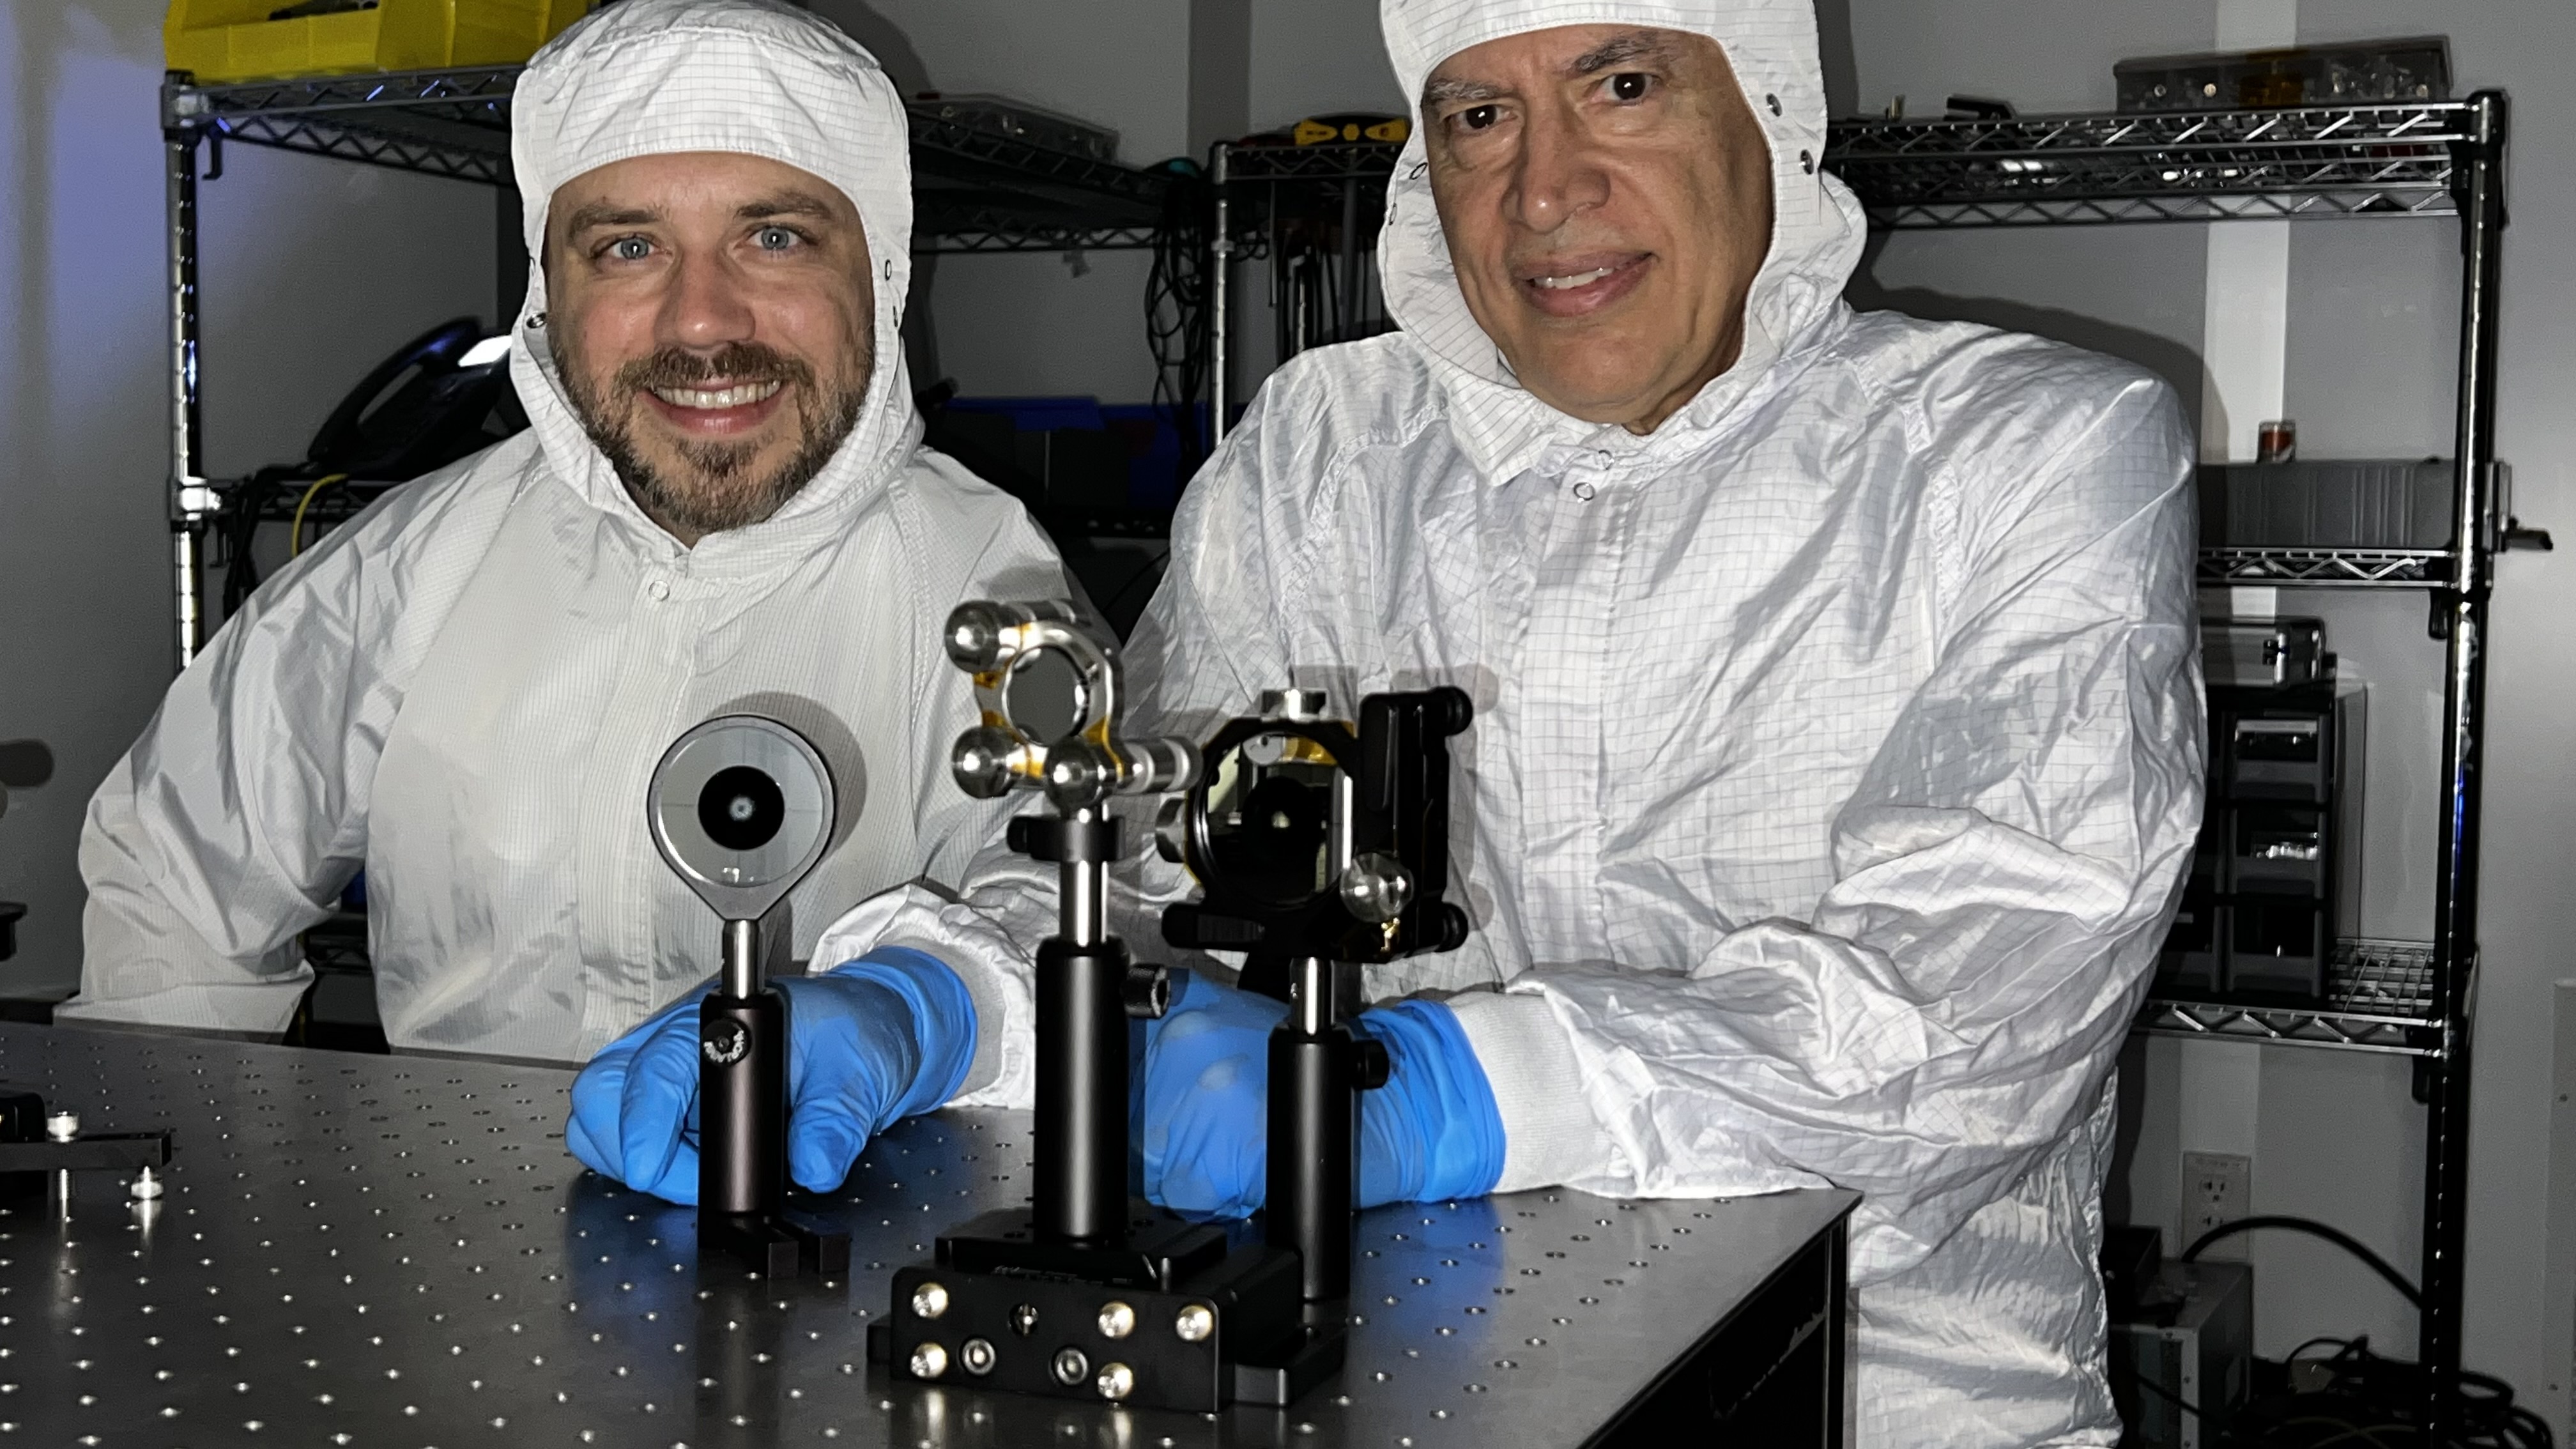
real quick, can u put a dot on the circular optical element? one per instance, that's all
(741, 808)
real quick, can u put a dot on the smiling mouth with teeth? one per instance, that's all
(739, 395)
(1578, 279)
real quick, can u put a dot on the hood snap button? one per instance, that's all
(1584, 491)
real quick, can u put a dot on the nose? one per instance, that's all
(706, 305)
(1557, 174)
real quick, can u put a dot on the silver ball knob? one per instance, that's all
(981, 762)
(1376, 888)
(974, 635)
(1078, 774)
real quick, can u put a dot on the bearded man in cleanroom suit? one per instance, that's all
(1838, 747)
(722, 504)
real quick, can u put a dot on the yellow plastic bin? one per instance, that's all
(235, 40)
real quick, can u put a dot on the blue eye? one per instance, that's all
(776, 238)
(630, 249)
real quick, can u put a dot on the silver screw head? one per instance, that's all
(146, 1185)
(1116, 1381)
(976, 1356)
(1194, 1322)
(1117, 1320)
(1071, 1366)
(62, 1126)
(1024, 1319)
(929, 1301)
(929, 1361)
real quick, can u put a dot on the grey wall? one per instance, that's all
(311, 271)
(1009, 325)
(2368, 374)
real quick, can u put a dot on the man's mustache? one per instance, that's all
(735, 362)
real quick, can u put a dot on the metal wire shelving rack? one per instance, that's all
(2425, 159)
(974, 190)
(1248, 182)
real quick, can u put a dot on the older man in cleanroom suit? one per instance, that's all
(1838, 727)
(723, 504)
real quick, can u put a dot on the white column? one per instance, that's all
(2244, 336)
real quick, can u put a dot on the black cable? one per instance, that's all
(1177, 293)
(2313, 1228)
(2168, 1395)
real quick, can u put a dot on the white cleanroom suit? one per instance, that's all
(465, 690)
(1837, 747)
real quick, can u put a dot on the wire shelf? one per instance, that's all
(2343, 568)
(977, 191)
(2388, 160)
(2379, 997)
(1335, 161)
(439, 123)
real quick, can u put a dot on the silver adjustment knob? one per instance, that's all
(1194, 1322)
(1117, 1320)
(974, 636)
(62, 1126)
(929, 1301)
(929, 1361)
(981, 762)
(1376, 887)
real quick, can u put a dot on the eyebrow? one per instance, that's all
(785, 203)
(600, 213)
(1626, 46)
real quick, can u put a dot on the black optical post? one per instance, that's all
(742, 808)
(1087, 1294)
(1319, 849)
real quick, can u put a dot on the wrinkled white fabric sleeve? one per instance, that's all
(239, 815)
(2004, 871)
(1537, 1081)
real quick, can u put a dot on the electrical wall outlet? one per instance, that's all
(2217, 1188)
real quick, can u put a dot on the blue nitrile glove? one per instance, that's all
(1432, 1132)
(869, 1043)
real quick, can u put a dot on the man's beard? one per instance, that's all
(718, 489)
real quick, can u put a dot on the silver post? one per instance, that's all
(1221, 262)
(741, 958)
(190, 500)
(1312, 990)
(62, 1127)
(1085, 886)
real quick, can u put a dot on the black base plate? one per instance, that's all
(776, 1245)
(1170, 1317)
